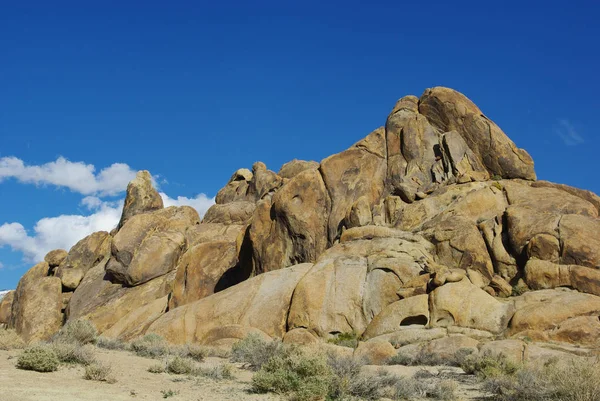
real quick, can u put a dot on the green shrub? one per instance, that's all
(295, 373)
(9, 340)
(78, 331)
(98, 372)
(180, 366)
(168, 393)
(150, 346)
(444, 390)
(74, 353)
(488, 365)
(254, 352)
(111, 344)
(349, 340)
(345, 370)
(157, 368)
(220, 372)
(40, 358)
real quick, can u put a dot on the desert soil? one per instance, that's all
(134, 382)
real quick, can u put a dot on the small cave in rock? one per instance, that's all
(419, 320)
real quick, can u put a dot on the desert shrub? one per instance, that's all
(219, 372)
(400, 359)
(444, 390)
(74, 353)
(180, 366)
(294, 372)
(349, 340)
(168, 393)
(150, 346)
(40, 358)
(488, 365)
(157, 368)
(98, 372)
(254, 352)
(77, 331)
(218, 352)
(553, 381)
(9, 340)
(111, 343)
(407, 388)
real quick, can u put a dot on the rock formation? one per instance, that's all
(431, 232)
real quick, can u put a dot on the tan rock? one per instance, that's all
(299, 336)
(540, 275)
(463, 304)
(237, 187)
(355, 173)
(55, 257)
(6, 307)
(375, 352)
(501, 287)
(135, 323)
(447, 347)
(226, 336)
(36, 309)
(294, 167)
(578, 330)
(547, 309)
(66, 298)
(238, 212)
(448, 110)
(205, 269)
(264, 181)
(293, 227)
(359, 214)
(411, 335)
(399, 315)
(88, 252)
(352, 282)
(207, 232)
(104, 302)
(544, 247)
(260, 303)
(580, 242)
(141, 197)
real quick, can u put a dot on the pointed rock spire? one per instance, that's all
(141, 197)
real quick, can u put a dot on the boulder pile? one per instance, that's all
(430, 233)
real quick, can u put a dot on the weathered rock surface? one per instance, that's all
(430, 234)
(141, 197)
(260, 303)
(6, 307)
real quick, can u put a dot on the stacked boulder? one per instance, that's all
(430, 233)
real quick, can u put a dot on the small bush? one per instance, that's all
(194, 351)
(488, 365)
(345, 370)
(180, 366)
(150, 346)
(444, 390)
(349, 340)
(254, 352)
(219, 372)
(9, 340)
(40, 358)
(168, 393)
(295, 373)
(157, 368)
(400, 359)
(111, 344)
(73, 353)
(78, 331)
(98, 372)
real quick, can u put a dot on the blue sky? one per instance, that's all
(194, 90)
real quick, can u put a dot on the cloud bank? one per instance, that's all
(62, 232)
(77, 176)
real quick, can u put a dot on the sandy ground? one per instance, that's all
(134, 382)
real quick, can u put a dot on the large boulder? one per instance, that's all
(55, 257)
(295, 167)
(291, 227)
(6, 307)
(204, 269)
(149, 245)
(36, 309)
(104, 302)
(354, 281)
(238, 212)
(141, 197)
(464, 304)
(406, 313)
(237, 187)
(357, 172)
(85, 254)
(260, 303)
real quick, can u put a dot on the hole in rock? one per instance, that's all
(419, 319)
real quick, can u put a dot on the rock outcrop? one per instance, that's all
(430, 234)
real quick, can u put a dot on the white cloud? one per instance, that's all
(1, 265)
(201, 202)
(77, 176)
(64, 231)
(567, 132)
(57, 232)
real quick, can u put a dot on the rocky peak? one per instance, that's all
(141, 197)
